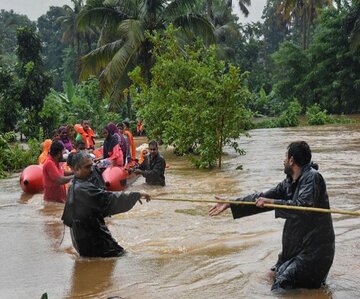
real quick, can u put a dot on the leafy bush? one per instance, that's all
(14, 157)
(194, 102)
(290, 117)
(266, 123)
(316, 116)
(341, 120)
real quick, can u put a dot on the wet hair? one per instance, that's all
(79, 158)
(55, 133)
(126, 123)
(79, 143)
(112, 128)
(153, 143)
(62, 129)
(300, 151)
(70, 160)
(56, 147)
(121, 125)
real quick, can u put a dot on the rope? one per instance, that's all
(267, 205)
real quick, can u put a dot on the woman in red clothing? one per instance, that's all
(54, 176)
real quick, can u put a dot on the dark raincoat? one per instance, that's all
(308, 241)
(84, 213)
(154, 169)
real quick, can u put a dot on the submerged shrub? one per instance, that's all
(13, 157)
(316, 116)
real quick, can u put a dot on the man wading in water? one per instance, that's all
(308, 241)
(86, 207)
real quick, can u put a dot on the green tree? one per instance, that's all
(34, 83)
(79, 38)
(291, 67)
(9, 22)
(275, 28)
(77, 102)
(334, 78)
(303, 13)
(226, 28)
(9, 99)
(353, 25)
(194, 100)
(50, 33)
(123, 43)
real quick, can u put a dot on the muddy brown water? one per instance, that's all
(174, 249)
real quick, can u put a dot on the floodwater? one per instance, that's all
(174, 249)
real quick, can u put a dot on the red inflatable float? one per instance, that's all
(31, 179)
(115, 178)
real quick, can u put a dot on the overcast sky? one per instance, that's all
(35, 8)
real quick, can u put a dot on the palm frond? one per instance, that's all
(228, 30)
(99, 16)
(133, 30)
(151, 8)
(355, 36)
(119, 63)
(177, 8)
(196, 25)
(94, 62)
(243, 8)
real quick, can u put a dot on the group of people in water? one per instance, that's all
(308, 242)
(118, 149)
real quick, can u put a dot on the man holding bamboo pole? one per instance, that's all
(308, 241)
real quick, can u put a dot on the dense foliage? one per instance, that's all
(33, 83)
(194, 102)
(13, 157)
(304, 52)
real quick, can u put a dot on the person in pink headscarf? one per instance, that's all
(113, 129)
(112, 154)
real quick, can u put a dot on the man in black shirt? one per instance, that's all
(86, 207)
(308, 241)
(153, 167)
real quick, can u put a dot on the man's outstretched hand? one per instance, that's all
(219, 207)
(144, 195)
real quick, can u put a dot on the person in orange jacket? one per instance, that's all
(87, 134)
(45, 153)
(139, 128)
(130, 136)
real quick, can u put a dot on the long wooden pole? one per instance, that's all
(267, 205)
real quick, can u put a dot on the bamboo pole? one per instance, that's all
(267, 205)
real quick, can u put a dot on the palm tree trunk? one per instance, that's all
(209, 10)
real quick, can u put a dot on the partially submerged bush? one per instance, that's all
(13, 157)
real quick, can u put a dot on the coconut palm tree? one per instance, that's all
(226, 27)
(68, 21)
(304, 11)
(124, 43)
(243, 4)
